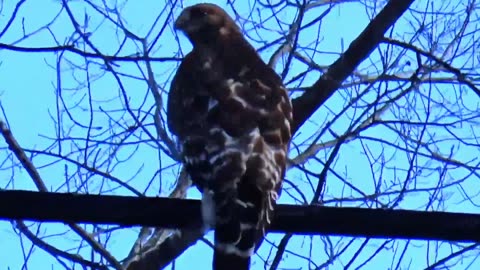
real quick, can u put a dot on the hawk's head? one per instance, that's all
(205, 22)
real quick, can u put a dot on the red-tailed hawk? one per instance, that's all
(232, 115)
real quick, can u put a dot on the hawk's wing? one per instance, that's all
(187, 114)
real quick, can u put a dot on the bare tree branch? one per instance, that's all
(305, 105)
(296, 219)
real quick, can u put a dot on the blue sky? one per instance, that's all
(32, 89)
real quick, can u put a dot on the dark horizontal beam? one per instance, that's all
(178, 213)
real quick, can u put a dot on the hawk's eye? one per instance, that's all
(198, 13)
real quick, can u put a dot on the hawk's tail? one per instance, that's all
(233, 256)
(240, 225)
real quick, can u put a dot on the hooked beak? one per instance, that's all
(182, 20)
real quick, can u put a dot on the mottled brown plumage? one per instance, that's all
(232, 116)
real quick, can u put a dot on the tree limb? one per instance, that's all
(305, 105)
(296, 219)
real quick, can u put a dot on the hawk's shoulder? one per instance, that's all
(186, 96)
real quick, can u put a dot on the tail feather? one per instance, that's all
(239, 228)
(223, 261)
(243, 209)
(236, 253)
